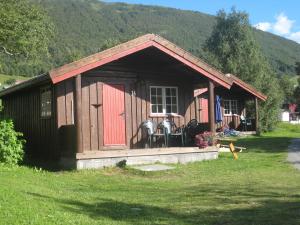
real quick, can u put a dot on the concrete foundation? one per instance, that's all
(101, 159)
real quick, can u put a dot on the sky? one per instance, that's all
(281, 17)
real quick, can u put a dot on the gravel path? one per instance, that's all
(294, 153)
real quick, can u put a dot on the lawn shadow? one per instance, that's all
(273, 212)
(47, 165)
(133, 213)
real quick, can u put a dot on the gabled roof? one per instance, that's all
(249, 88)
(149, 40)
(135, 45)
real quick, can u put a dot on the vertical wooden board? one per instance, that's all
(148, 110)
(69, 101)
(94, 116)
(196, 99)
(134, 139)
(143, 102)
(37, 121)
(61, 104)
(85, 96)
(187, 112)
(193, 107)
(138, 113)
(128, 116)
(100, 113)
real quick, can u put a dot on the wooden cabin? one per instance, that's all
(98, 103)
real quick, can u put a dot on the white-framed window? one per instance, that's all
(46, 102)
(163, 100)
(230, 107)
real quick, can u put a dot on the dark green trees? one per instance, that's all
(25, 30)
(233, 49)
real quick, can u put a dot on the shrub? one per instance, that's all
(204, 139)
(11, 143)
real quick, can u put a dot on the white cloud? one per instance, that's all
(295, 36)
(264, 26)
(283, 25)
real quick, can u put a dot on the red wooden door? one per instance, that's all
(113, 115)
(204, 109)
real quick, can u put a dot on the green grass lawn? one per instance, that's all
(4, 78)
(260, 188)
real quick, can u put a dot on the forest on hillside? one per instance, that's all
(83, 27)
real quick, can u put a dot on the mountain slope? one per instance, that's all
(87, 26)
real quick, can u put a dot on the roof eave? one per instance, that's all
(28, 83)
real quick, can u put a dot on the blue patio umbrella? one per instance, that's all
(218, 110)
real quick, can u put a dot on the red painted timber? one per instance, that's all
(204, 110)
(114, 115)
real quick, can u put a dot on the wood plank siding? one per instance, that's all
(24, 108)
(137, 104)
(233, 121)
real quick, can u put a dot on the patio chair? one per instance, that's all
(245, 122)
(172, 131)
(191, 130)
(154, 132)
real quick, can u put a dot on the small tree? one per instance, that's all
(25, 30)
(288, 86)
(233, 49)
(11, 144)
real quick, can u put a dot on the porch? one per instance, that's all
(101, 159)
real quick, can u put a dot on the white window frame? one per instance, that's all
(231, 107)
(45, 111)
(164, 100)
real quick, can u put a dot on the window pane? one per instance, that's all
(46, 104)
(153, 91)
(159, 99)
(168, 109)
(173, 91)
(154, 109)
(159, 109)
(174, 100)
(226, 107)
(153, 100)
(168, 92)
(166, 103)
(168, 100)
(234, 107)
(159, 91)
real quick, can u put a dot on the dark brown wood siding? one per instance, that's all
(24, 108)
(65, 116)
(137, 106)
